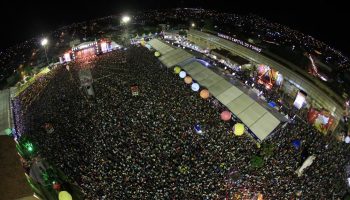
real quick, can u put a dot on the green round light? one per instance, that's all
(8, 131)
(30, 148)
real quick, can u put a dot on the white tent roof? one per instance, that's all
(169, 56)
(229, 94)
(219, 87)
(255, 116)
(174, 57)
(160, 46)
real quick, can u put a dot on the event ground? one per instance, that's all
(13, 181)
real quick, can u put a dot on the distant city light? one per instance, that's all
(125, 19)
(44, 42)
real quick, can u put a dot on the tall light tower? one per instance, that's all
(44, 42)
(124, 21)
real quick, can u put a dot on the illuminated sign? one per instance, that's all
(105, 47)
(83, 46)
(300, 100)
(67, 57)
(240, 42)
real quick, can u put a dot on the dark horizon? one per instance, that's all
(320, 20)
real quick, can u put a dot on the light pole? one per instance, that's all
(125, 20)
(44, 44)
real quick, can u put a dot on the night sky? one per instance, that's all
(325, 20)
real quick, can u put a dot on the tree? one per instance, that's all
(28, 70)
(208, 25)
(26, 148)
(49, 177)
(347, 197)
(256, 162)
(182, 33)
(267, 150)
(13, 79)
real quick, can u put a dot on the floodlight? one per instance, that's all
(44, 42)
(125, 19)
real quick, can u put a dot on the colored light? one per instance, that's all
(29, 147)
(195, 87)
(182, 74)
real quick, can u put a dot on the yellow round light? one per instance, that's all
(64, 195)
(177, 70)
(157, 54)
(238, 129)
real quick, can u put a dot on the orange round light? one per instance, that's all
(188, 80)
(204, 93)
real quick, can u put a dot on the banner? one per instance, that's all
(300, 100)
(306, 164)
(134, 90)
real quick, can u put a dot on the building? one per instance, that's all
(295, 79)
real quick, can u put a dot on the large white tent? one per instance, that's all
(160, 46)
(260, 120)
(257, 117)
(170, 56)
(174, 57)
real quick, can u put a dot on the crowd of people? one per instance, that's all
(119, 146)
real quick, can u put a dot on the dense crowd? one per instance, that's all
(119, 146)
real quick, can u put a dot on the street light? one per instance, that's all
(193, 24)
(44, 42)
(125, 19)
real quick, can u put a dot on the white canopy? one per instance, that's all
(174, 57)
(255, 116)
(170, 56)
(160, 46)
